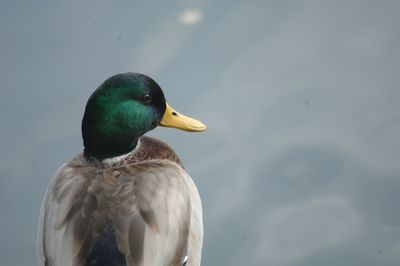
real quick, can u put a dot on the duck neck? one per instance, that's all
(113, 160)
(102, 149)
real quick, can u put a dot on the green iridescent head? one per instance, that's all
(124, 108)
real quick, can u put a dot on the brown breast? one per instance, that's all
(152, 149)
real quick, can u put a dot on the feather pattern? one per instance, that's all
(153, 206)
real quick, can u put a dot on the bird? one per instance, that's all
(126, 199)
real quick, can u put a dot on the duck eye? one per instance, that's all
(146, 98)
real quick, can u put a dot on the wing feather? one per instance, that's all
(153, 221)
(154, 208)
(69, 218)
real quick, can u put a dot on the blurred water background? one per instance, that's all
(300, 165)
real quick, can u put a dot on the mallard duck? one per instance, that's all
(126, 199)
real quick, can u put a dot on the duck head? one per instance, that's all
(122, 109)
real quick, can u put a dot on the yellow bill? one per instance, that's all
(174, 119)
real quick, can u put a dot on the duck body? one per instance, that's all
(140, 209)
(127, 201)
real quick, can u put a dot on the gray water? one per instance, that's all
(300, 165)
